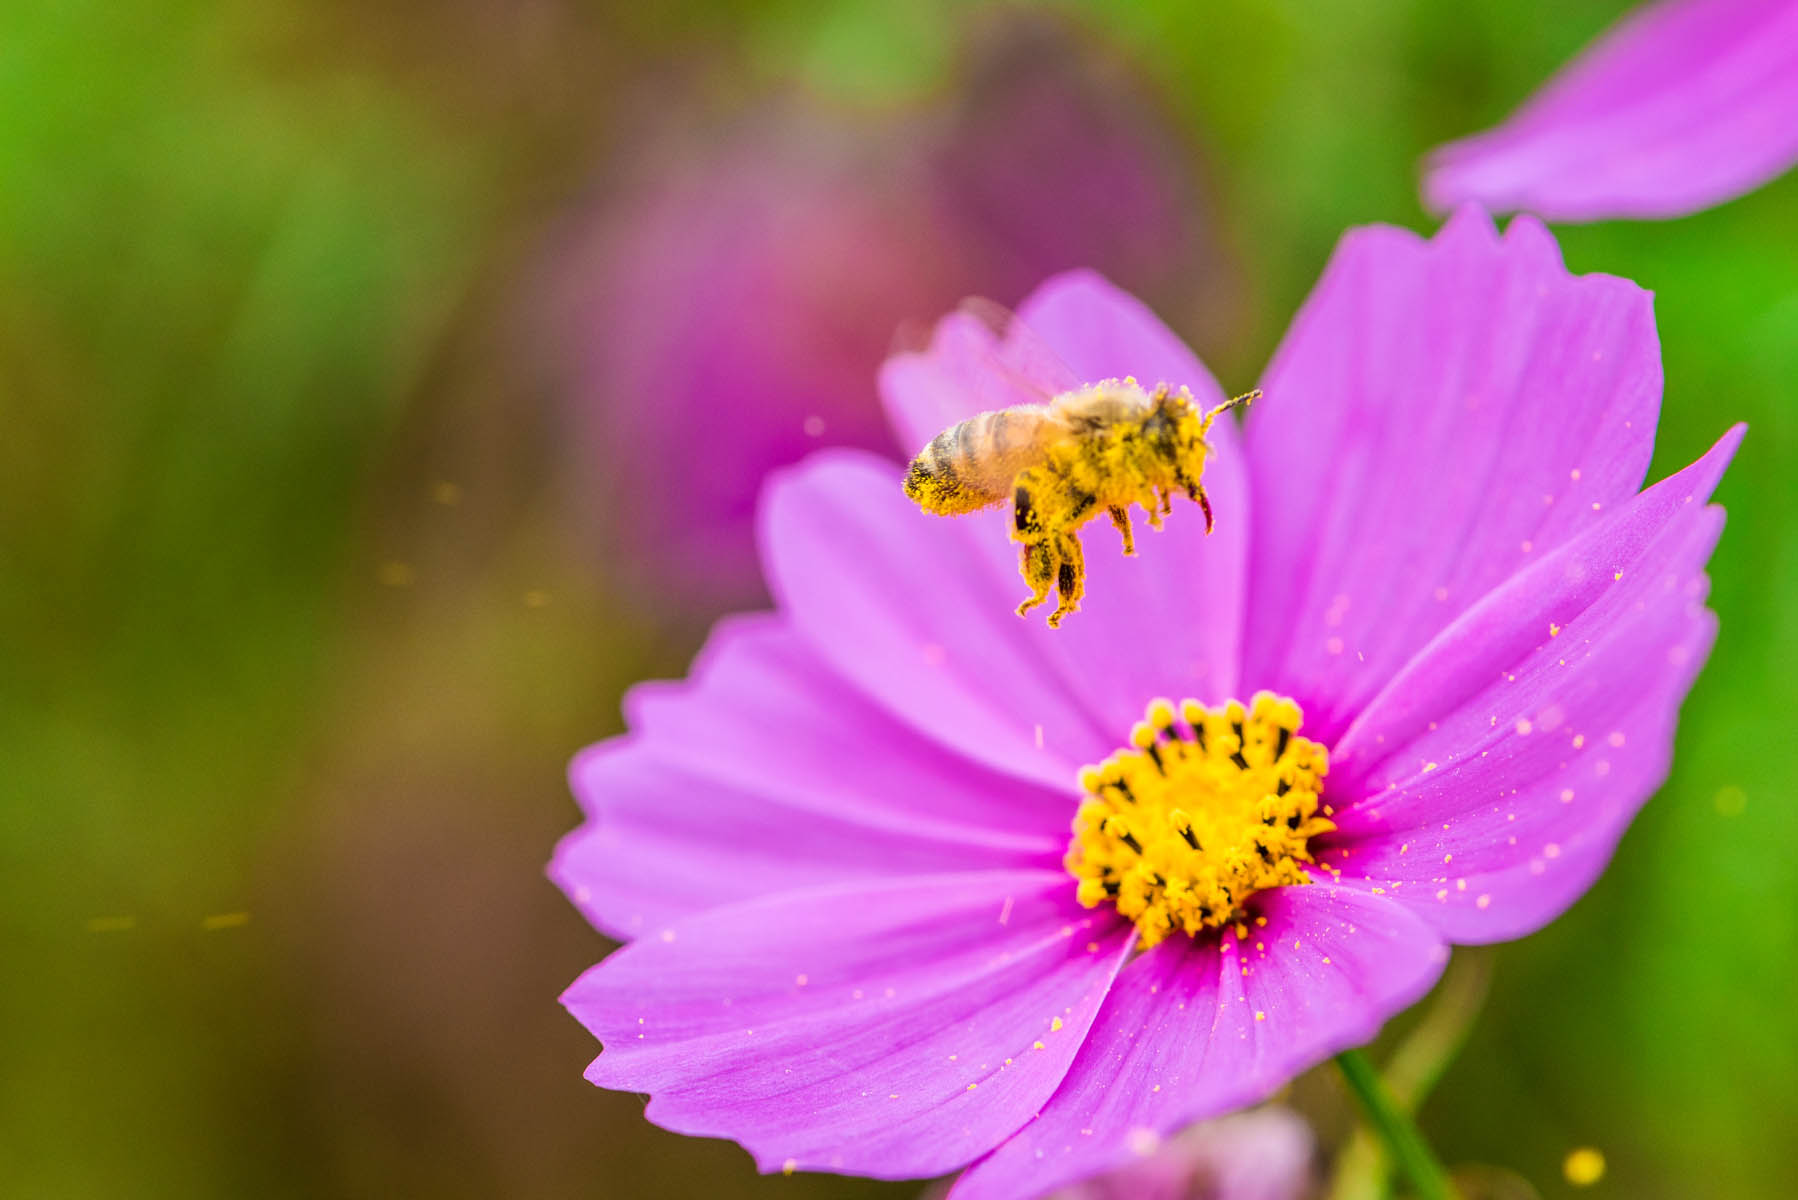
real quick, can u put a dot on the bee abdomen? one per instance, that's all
(945, 477)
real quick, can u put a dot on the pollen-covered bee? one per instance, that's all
(1092, 448)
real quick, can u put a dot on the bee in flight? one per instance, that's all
(1090, 448)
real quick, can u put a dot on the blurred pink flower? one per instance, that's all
(1682, 105)
(731, 309)
(1262, 1154)
(838, 849)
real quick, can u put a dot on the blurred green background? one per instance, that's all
(314, 571)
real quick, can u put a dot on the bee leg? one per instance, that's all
(1070, 578)
(1152, 505)
(1038, 564)
(1024, 519)
(1121, 518)
(1205, 503)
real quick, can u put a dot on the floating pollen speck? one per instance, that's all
(1583, 1166)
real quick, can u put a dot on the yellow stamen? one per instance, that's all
(1199, 814)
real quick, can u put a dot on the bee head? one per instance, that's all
(1161, 428)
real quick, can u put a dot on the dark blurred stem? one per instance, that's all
(1395, 1128)
(1363, 1167)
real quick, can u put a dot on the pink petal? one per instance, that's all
(913, 610)
(692, 811)
(897, 1029)
(1440, 413)
(1501, 766)
(1682, 105)
(1197, 1027)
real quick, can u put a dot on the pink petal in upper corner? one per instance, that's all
(1440, 413)
(1184, 586)
(1682, 105)
(1197, 1027)
(1489, 783)
(896, 1030)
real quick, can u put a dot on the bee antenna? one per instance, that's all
(1242, 401)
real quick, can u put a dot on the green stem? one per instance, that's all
(1395, 1128)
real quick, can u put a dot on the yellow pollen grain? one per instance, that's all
(788, 1167)
(1037, 1045)
(1055, 1025)
(1202, 809)
(1583, 1166)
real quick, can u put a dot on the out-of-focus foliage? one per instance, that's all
(306, 605)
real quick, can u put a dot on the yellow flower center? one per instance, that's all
(1199, 813)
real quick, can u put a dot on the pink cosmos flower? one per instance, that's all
(841, 853)
(1682, 105)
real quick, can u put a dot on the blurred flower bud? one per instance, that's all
(727, 310)
(1262, 1154)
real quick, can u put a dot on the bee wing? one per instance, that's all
(1019, 355)
(978, 358)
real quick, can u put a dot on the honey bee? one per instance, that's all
(1091, 448)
